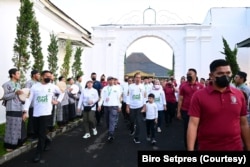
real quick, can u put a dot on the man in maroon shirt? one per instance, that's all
(170, 90)
(218, 114)
(187, 90)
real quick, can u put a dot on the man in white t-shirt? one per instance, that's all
(136, 101)
(42, 95)
(111, 100)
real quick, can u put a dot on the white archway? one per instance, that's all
(142, 34)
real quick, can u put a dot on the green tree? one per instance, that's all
(52, 54)
(66, 62)
(231, 57)
(35, 46)
(76, 67)
(21, 55)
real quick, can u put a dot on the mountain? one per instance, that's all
(139, 61)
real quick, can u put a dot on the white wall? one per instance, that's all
(48, 23)
(194, 46)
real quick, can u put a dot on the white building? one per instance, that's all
(51, 19)
(194, 45)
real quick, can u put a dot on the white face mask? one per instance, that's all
(157, 86)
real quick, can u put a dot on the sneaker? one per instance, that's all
(137, 141)
(87, 135)
(94, 131)
(159, 129)
(153, 141)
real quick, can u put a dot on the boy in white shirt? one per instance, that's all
(151, 118)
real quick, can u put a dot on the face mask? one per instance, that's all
(126, 80)
(157, 86)
(46, 80)
(189, 78)
(222, 81)
(93, 78)
(102, 79)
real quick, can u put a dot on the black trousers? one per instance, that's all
(170, 113)
(150, 127)
(40, 125)
(30, 125)
(124, 112)
(185, 118)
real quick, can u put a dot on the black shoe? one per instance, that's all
(136, 140)
(110, 138)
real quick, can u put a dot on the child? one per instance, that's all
(151, 118)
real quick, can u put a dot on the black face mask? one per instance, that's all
(102, 79)
(222, 81)
(126, 80)
(46, 80)
(93, 78)
(189, 78)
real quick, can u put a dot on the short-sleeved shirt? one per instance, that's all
(187, 90)
(219, 114)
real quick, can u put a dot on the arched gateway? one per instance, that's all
(193, 45)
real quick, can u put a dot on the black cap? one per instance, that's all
(33, 72)
(242, 75)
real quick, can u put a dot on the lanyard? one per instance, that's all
(109, 90)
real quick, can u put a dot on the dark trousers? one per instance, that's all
(111, 113)
(135, 117)
(40, 125)
(51, 119)
(65, 109)
(160, 116)
(185, 118)
(150, 127)
(170, 113)
(30, 125)
(72, 111)
(98, 114)
(124, 112)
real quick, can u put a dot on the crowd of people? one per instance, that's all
(213, 110)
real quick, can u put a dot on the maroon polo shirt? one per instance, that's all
(219, 113)
(170, 93)
(187, 90)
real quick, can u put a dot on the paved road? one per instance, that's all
(71, 150)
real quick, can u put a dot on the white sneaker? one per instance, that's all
(94, 131)
(158, 129)
(87, 135)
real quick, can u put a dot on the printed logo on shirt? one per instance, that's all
(49, 90)
(158, 99)
(136, 97)
(42, 99)
(233, 100)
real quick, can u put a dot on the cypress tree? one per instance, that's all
(35, 46)
(76, 67)
(231, 57)
(52, 54)
(21, 55)
(66, 62)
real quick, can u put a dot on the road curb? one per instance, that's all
(30, 145)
